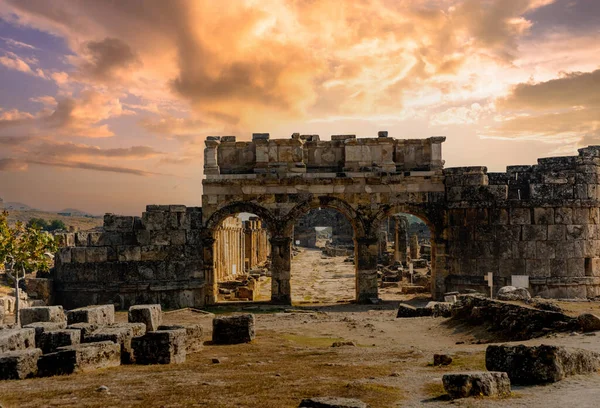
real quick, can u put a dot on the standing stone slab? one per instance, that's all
(53, 314)
(540, 364)
(80, 358)
(489, 384)
(20, 364)
(160, 347)
(233, 329)
(99, 315)
(119, 335)
(16, 339)
(151, 315)
(50, 341)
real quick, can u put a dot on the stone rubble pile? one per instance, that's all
(85, 339)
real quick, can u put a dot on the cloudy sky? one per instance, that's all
(105, 105)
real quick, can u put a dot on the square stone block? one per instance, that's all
(233, 329)
(84, 329)
(150, 315)
(99, 315)
(80, 358)
(41, 327)
(16, 339)
(193, 333)
(138, 329)
(119, 335)
(51, 340)
(20, 364)
(160, 347)
(53, 314)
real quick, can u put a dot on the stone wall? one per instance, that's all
(157, 258)
(541, 221)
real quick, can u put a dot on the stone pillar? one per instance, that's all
(210, 155)
(281, 265)
(365, 253)
(401, 238)
(208, 248)
(414, 247)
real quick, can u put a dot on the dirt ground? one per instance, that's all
(292, 358)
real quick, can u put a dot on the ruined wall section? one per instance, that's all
(153, 259)
(541, 221)
(342, 231)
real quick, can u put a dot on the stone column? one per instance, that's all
(210, 155)
(281, 264)
(208, 248)
(365, 253)
(414, 247)
(401, 238)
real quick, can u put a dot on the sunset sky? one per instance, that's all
(105, 105)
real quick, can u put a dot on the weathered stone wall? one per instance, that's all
(157, 258)
(541, 221)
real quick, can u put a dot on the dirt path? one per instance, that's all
(320, 279)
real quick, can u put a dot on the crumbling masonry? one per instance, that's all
(542, 221)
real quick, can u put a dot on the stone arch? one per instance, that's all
(238, 207)
(333, 203)
(434, 217)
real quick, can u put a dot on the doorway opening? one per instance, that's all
(242, 259)
(323, 269)
(405, 257)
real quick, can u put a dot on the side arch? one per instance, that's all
(238, 207)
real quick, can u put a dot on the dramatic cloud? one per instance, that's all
(107, 59)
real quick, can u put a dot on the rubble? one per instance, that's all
(98, 315)
(53, 314)
(16, 339)
(528, 365)
(51, 340)
(150, 315)
(476, 384)
(160, 347)
(512, 293)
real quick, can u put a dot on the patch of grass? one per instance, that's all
(434, 389)
(464, 361)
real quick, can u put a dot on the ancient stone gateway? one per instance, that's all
(539, 224)
(366, 180)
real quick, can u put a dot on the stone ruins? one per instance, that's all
(540, 223)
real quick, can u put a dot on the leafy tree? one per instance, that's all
(24, 249)
(37, 223)
(56, 225)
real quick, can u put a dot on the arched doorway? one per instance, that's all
(323, 269)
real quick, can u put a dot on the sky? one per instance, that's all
(105, 105)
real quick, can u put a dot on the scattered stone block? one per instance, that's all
(16, 339)
(405, 310)
(450, 298)
(19, 364)
(441, 360)
(440, 309)
(84, 329)
(193, 335)
(54, 314)
(588, 322)
(41, 327)
(99, 315)
(513, 293)
(150, 315)
(527, 365)
(160, 347)
(332, 402)
(489, 384)
(233, 329)
(50, 341)
(119, 335)
(80, 358)
(138, 329)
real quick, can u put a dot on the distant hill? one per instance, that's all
(78, 222)
(75, 212)
(18, 207)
